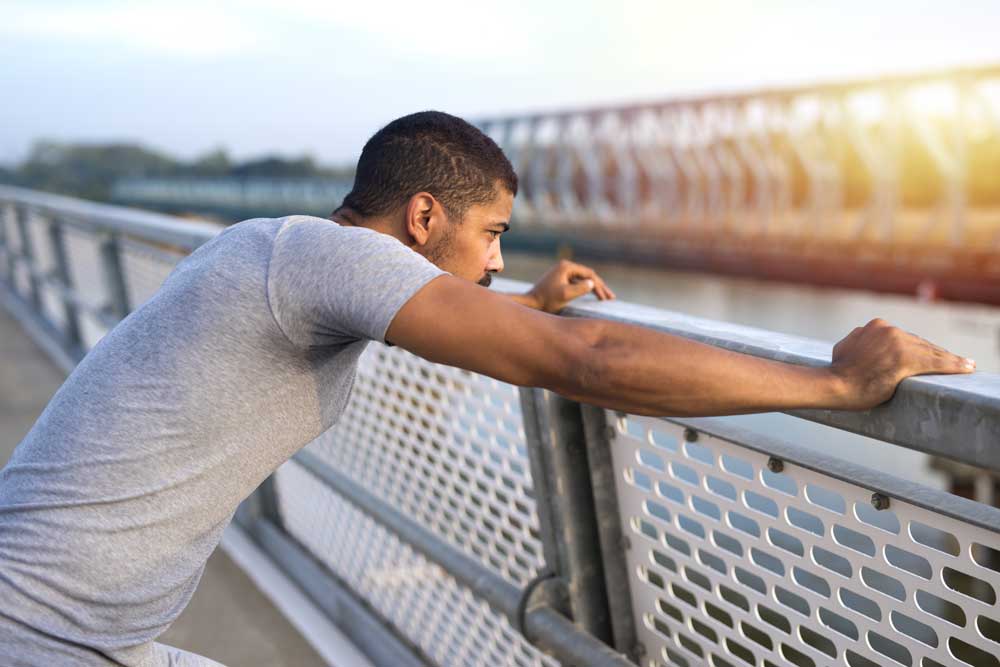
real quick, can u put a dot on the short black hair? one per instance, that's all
(433, 152)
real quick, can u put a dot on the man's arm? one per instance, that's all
(641, 371)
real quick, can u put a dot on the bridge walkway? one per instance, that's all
(228, 619)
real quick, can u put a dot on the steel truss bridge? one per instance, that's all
(888, 184)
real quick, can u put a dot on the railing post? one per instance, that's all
(73, 339)
(114, 278)
(599, 436)
(561, 479)
(8, 256)
(27, 252)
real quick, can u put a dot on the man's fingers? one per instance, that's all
(953, 364)
(942, 360)
(938, 360)
(606, 292)
(578, 272)
(601, 290)
(578, 288)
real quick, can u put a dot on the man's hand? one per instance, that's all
(561, 284)
(872, 360)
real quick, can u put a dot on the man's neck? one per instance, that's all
(347, 217)
(350, 218)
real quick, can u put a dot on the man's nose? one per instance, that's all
(496, 262)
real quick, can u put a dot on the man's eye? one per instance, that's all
(494, 234)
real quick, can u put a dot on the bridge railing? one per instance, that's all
(451, 519)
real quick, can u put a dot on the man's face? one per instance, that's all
(471, 249)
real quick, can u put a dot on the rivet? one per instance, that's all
(626, 543)
(610, 432)
(775, 464)
(639, 649)
(690, 434)
(880, 501)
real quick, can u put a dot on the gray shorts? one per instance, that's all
(23, 646)
(168, 656)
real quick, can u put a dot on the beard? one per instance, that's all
(443, 251)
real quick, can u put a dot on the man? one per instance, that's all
(113, 502)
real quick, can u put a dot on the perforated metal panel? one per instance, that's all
(84, 257)
(145, 267)
(83, 253)
(447, 448)
(12, 241)
(424, 603)
(45, 264)
(733, 564)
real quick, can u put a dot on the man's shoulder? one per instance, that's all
(324, 235)
(271, 231)
(252, 225)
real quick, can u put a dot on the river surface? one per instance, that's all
(819, 313)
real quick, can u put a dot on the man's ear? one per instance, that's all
(424, 214)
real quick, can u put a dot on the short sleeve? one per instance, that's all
(328, 284)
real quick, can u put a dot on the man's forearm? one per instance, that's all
(641, 371)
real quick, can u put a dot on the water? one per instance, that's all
(820, 313)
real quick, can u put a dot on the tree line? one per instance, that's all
(90, 170)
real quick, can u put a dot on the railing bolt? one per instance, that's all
(690, 434)
(610, 432)
(880, 501)
(639, 650)
(625, 542)
(775, 464)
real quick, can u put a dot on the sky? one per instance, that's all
(293, 77)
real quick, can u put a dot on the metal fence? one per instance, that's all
(451, 519)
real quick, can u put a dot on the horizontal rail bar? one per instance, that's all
(952, 416)
(544, 627)
(171, 230)
(956, 507)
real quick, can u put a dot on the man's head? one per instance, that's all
(440, 185)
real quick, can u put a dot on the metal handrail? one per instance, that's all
(155, 227)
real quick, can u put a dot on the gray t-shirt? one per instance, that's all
(117, 496)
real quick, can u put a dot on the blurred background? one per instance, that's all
(801, 167)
